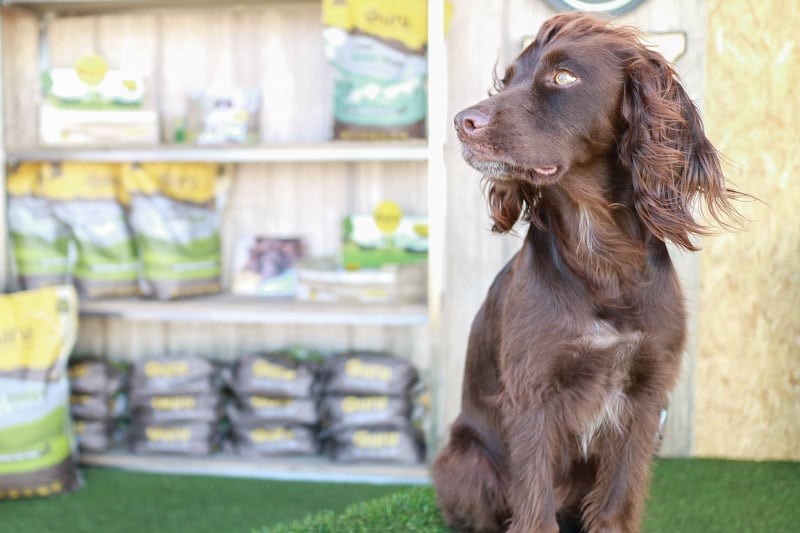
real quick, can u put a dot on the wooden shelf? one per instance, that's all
(279, 468)
(104, 7)
(231, 309)
(331, 151)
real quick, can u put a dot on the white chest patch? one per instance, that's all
(623, 346)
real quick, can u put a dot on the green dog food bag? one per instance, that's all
(379, 51)
(175, 214)
(37, 444)
(40, 242)
(88, 199)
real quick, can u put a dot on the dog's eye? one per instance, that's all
(564, 77)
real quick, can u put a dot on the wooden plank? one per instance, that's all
(334, 151)
(245, 310)
(281, 468)
(104, 7)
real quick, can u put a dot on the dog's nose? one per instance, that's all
(471, 120)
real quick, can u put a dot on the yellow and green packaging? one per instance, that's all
(379, 51)
(89, 200)
(39, 241)
(175, 215)
(37, 445)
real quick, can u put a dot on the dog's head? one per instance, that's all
(587, 101)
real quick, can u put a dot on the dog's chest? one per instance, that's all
(617, 351)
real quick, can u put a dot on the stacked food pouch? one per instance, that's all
(275, 404)
(176, 404)
(96, 402)
(366, 409)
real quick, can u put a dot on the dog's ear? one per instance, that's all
(507, 201)
(505, 204)
(665, 148)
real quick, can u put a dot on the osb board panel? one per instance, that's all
(748, 369)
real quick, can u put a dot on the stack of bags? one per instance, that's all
(275, 405)
(176, 405)
(96, 402)
(366, 409)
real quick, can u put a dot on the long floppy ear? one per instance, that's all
(671, 160)
(508, 201)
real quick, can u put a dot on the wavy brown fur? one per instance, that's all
(592, 140)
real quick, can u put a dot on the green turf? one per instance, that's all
(687, 496)
(115, 501)
(704, 496)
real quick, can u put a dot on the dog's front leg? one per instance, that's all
(615, 502)
(531, 465)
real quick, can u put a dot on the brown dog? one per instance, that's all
(593, 141)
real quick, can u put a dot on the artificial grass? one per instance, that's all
(686, 496)
(116, 501)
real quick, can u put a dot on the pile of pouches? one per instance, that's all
(97, 402)
(274, 411)
(379, 51)
(176, 405)
(118, 230)
(366, 409)
(37, 444)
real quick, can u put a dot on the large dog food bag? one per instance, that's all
(37, 333)
(175, 213)
(379, 51)
(40, 242)
(88, 199)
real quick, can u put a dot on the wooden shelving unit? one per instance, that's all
(295, 182)
(282, 468)
(231, 309)
(325, 152)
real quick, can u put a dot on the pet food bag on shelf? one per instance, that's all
(379, 51)
(348, 411)
(175, 214)
(365, 373)
(88, 199)
(40, 242)
(176, 404)
(37, 445)
(97, 401)
(377, 444)
(275, 403)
